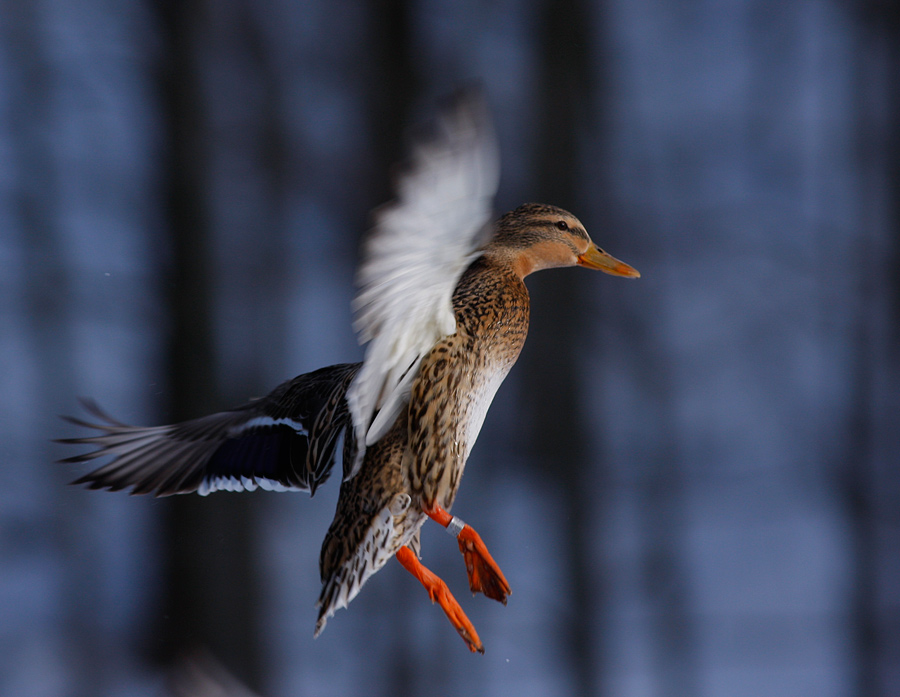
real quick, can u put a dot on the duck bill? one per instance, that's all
(596, 258)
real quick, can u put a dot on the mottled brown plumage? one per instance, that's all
(445, 321)
(458, 378)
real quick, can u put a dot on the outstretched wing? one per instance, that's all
(283, 442)
(413, 258)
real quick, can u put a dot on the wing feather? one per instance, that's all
(285, 441)
(413, 257)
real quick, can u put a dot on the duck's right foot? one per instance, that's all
(484, 573)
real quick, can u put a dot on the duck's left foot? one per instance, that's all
(484, 574)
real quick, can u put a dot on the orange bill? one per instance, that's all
(596, 258)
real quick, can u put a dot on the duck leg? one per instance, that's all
(438, 592)
(484, 574)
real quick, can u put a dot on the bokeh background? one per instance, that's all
(690, 480)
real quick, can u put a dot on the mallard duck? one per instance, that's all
(444, 314)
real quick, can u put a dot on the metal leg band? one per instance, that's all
(455, 526)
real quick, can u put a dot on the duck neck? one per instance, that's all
(516, 261)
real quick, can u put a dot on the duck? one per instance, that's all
(443, 311)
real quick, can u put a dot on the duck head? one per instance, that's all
(536, 236)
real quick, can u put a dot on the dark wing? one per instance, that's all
(283, 442)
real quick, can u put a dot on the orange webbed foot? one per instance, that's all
(440, 594)
(484, 574)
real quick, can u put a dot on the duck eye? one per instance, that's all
(562, 225)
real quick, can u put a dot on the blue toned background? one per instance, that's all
(691, 480)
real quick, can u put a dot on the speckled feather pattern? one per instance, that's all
(459, 377)
(366, 532)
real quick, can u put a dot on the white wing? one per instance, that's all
(413, 258)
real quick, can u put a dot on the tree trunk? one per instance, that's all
(211, 590)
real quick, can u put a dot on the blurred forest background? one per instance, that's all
(690, 480)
